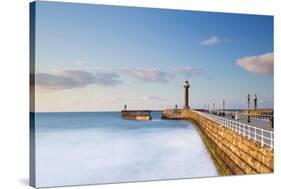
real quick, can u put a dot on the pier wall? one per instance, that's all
(232, 153)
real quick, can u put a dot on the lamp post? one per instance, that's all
(248, 108)
(223, 107)
(255, 99)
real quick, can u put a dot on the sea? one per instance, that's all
(81, 148)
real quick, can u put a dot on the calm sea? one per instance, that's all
(100, 147)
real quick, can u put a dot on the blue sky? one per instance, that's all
(98, 58)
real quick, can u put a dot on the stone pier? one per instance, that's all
(232, 153)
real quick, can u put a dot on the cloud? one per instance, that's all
(107, 79)
(152, 98)
(72, 78)
(260, 64)
(149, 75)
(210, 41)
(189, 71)
(69, 79)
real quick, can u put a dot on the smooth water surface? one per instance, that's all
(98, 147)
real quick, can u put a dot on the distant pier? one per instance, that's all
(140, 115)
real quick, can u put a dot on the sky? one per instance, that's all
(98, 58)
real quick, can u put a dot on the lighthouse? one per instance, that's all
(186, 95)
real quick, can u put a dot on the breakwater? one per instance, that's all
(232, 153)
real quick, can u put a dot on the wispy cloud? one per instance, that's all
(210, 41)
(189, 71)
(152, 98)
(260, 64)
(69, 79)
(149, 75)
(107, 79)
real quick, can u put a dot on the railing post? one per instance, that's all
(238, 127)
(255, 134)
(245, 133)
(262, 142)
(244, 129)
(271, 140)
(225, 122)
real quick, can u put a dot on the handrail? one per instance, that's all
(262, 117)
(262, 136)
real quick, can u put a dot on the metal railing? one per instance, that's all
(262, 136)
(262, 117)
